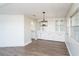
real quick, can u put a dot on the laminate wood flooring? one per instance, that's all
(37, 48)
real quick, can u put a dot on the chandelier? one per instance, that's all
(44, 22)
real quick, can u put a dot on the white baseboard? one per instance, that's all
(12, 45)
(28, 43)
(17, 45)
(68, 49)
(53, 40)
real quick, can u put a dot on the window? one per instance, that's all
(59, 25)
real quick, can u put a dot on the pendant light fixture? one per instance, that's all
(44, 22)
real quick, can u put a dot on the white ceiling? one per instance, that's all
(30, 9)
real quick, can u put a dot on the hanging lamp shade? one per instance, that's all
(44, 22)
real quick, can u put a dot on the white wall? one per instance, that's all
(11, 30)
(72, 44)
(15, 30)
(28, 30)
(50, 33)
(34, 28)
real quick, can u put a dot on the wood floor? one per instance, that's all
(37, 48)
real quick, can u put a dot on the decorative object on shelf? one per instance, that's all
(44, 22)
